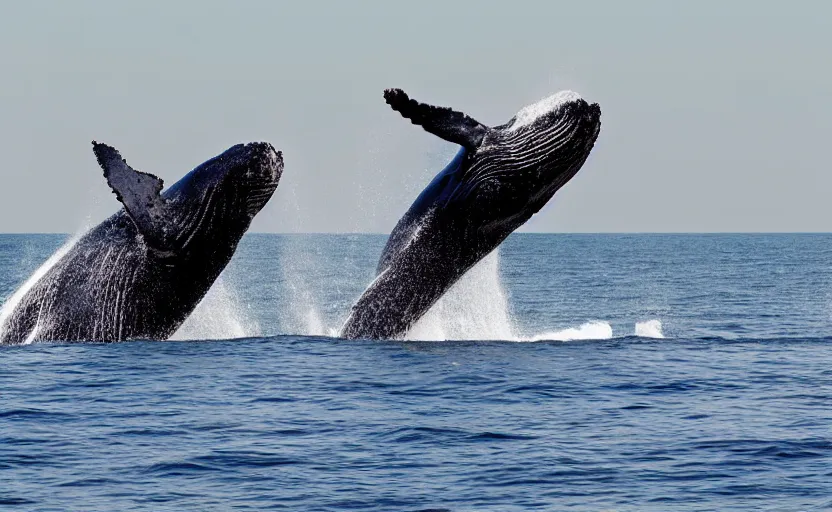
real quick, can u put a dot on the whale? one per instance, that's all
(143, 270)
(500, 177)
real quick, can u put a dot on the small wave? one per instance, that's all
(649, 329)
(16, 501)
(589, 331)
(23, 414)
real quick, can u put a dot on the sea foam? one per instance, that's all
(649, 329)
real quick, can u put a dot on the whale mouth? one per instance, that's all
(264, 163)
(264, 167)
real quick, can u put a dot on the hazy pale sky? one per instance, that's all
(716, 115)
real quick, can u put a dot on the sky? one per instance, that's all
(715, 115)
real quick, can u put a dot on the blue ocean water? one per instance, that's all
(582, 372)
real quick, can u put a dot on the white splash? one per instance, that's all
(528, 115)
(301, 269)
(219, 315)
(36, 276)
(649, 329)
(474, 308)
(315, 324)
(595, 330)
(477, 308)
(307, 319)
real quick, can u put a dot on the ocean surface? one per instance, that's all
(564, 372)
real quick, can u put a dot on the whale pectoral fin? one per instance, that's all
(443, 122)
(139, 192)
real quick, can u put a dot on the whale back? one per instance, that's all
(436, 195)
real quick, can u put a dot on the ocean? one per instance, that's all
(564, 372)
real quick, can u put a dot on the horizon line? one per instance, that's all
(373, 233)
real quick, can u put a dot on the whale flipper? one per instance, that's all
(139, 192)
(443, 122)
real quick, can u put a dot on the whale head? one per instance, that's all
(502, 175)
(520, 165)
(245, 173)
(211, 206)
(215, 203)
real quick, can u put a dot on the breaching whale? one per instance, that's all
(141, 272)
(500, 177)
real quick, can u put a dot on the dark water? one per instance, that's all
(731, 410)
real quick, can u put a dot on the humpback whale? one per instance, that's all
(141, 272)
(500, 177)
